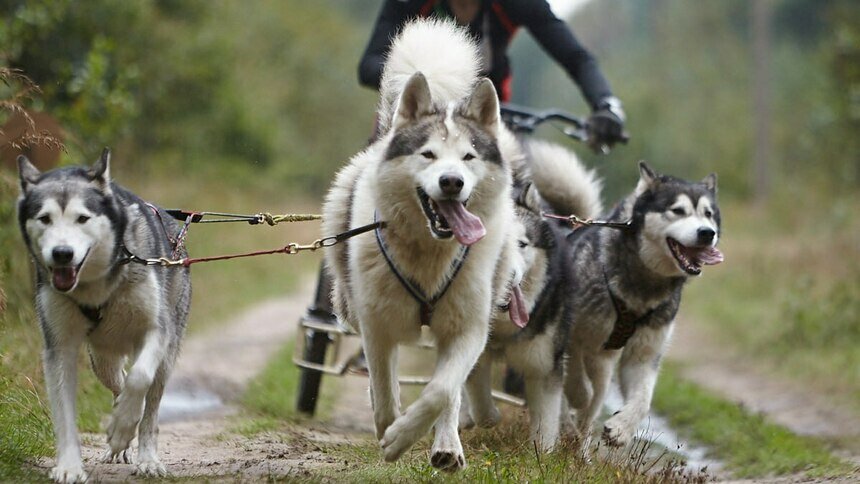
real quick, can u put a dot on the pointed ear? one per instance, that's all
(27, 173)
(414, 101)
(100, 171)
(710, 183)
(647, 178)
(483, 106)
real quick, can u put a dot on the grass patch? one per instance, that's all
(503, 455)
(749, 446)
(271, 396)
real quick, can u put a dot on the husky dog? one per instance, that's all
(625, 292)
(438, 179)
(550, 178)
(79, 228)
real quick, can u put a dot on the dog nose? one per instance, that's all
(706, 235)
(451, 183)
(62, 254)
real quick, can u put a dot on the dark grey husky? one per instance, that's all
(625, 292)
(79, 228)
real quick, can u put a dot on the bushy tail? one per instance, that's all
(445, 53)
(563, 181)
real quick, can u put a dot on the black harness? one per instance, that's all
(93, 314)
(627, 321)
(426, 304)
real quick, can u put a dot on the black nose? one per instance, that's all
(705, 235)
(62, 254)
(451, 183)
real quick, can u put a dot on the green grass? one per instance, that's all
(272, 394)
(502, 455)
(747, 444)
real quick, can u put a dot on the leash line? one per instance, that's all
(577, 222)
(289, 249)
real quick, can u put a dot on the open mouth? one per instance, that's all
(691, 259)
(448, 218)
(64, 278)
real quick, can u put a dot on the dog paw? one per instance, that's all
(69, 474)
(448, 460)
(490, 420)
(120, 431)
(618, 432)
(151, 468)
(121, 457)
(400, 436)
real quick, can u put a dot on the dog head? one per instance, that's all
(442, 163)
(678, 223)
(69, 220)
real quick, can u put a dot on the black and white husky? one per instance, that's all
(79, 228)
(440, 178)
(548, 178)
(625, 290)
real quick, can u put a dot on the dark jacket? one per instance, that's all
(497, 22)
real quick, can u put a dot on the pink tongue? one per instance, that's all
(710, 256)
(64, 278)
(466, 227)
(517, 308)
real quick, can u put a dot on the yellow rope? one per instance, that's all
(289, 217)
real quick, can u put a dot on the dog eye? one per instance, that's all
(468, 156)
(523, 244)
(45, 219)
(83, 219)
(679, 211)
(708, 213)
(429, 155)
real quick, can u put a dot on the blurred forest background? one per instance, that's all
(250, 106)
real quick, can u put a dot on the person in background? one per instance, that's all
(494, 23)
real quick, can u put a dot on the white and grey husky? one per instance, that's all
(79, 228)
(438, 177)
(625, 290)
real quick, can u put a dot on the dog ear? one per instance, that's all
(27, 173)
(648, 178)
(710, 183)
(483, 106)
(414, 101)
(100, 171)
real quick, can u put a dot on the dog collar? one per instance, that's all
(426, 304)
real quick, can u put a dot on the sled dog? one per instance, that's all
(79, 228)
(625, 289)
(440, 181)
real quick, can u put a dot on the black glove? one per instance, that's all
(606, 125)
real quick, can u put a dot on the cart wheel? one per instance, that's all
(316, 343)
(310, 380)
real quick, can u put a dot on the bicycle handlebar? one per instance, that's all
(525, 120)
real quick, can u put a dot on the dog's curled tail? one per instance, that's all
(446, 54)
(563, 181)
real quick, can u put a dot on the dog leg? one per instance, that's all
(128, 408)
(61, 374)
(447, 451)
(465, 421)
(543, 393)
(483, 410)
(599, 368)
(577, 388)
(640, 363)
(456, 358)
(381, 357)
(109, 370)
(147, 453)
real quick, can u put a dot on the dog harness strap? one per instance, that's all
(93, 313)
(426, 305)
(626, 321)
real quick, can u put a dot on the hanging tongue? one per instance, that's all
(517, 308)
(710, 256)
(64, 278)
(466, 227)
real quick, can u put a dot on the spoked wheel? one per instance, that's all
(316, 344)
